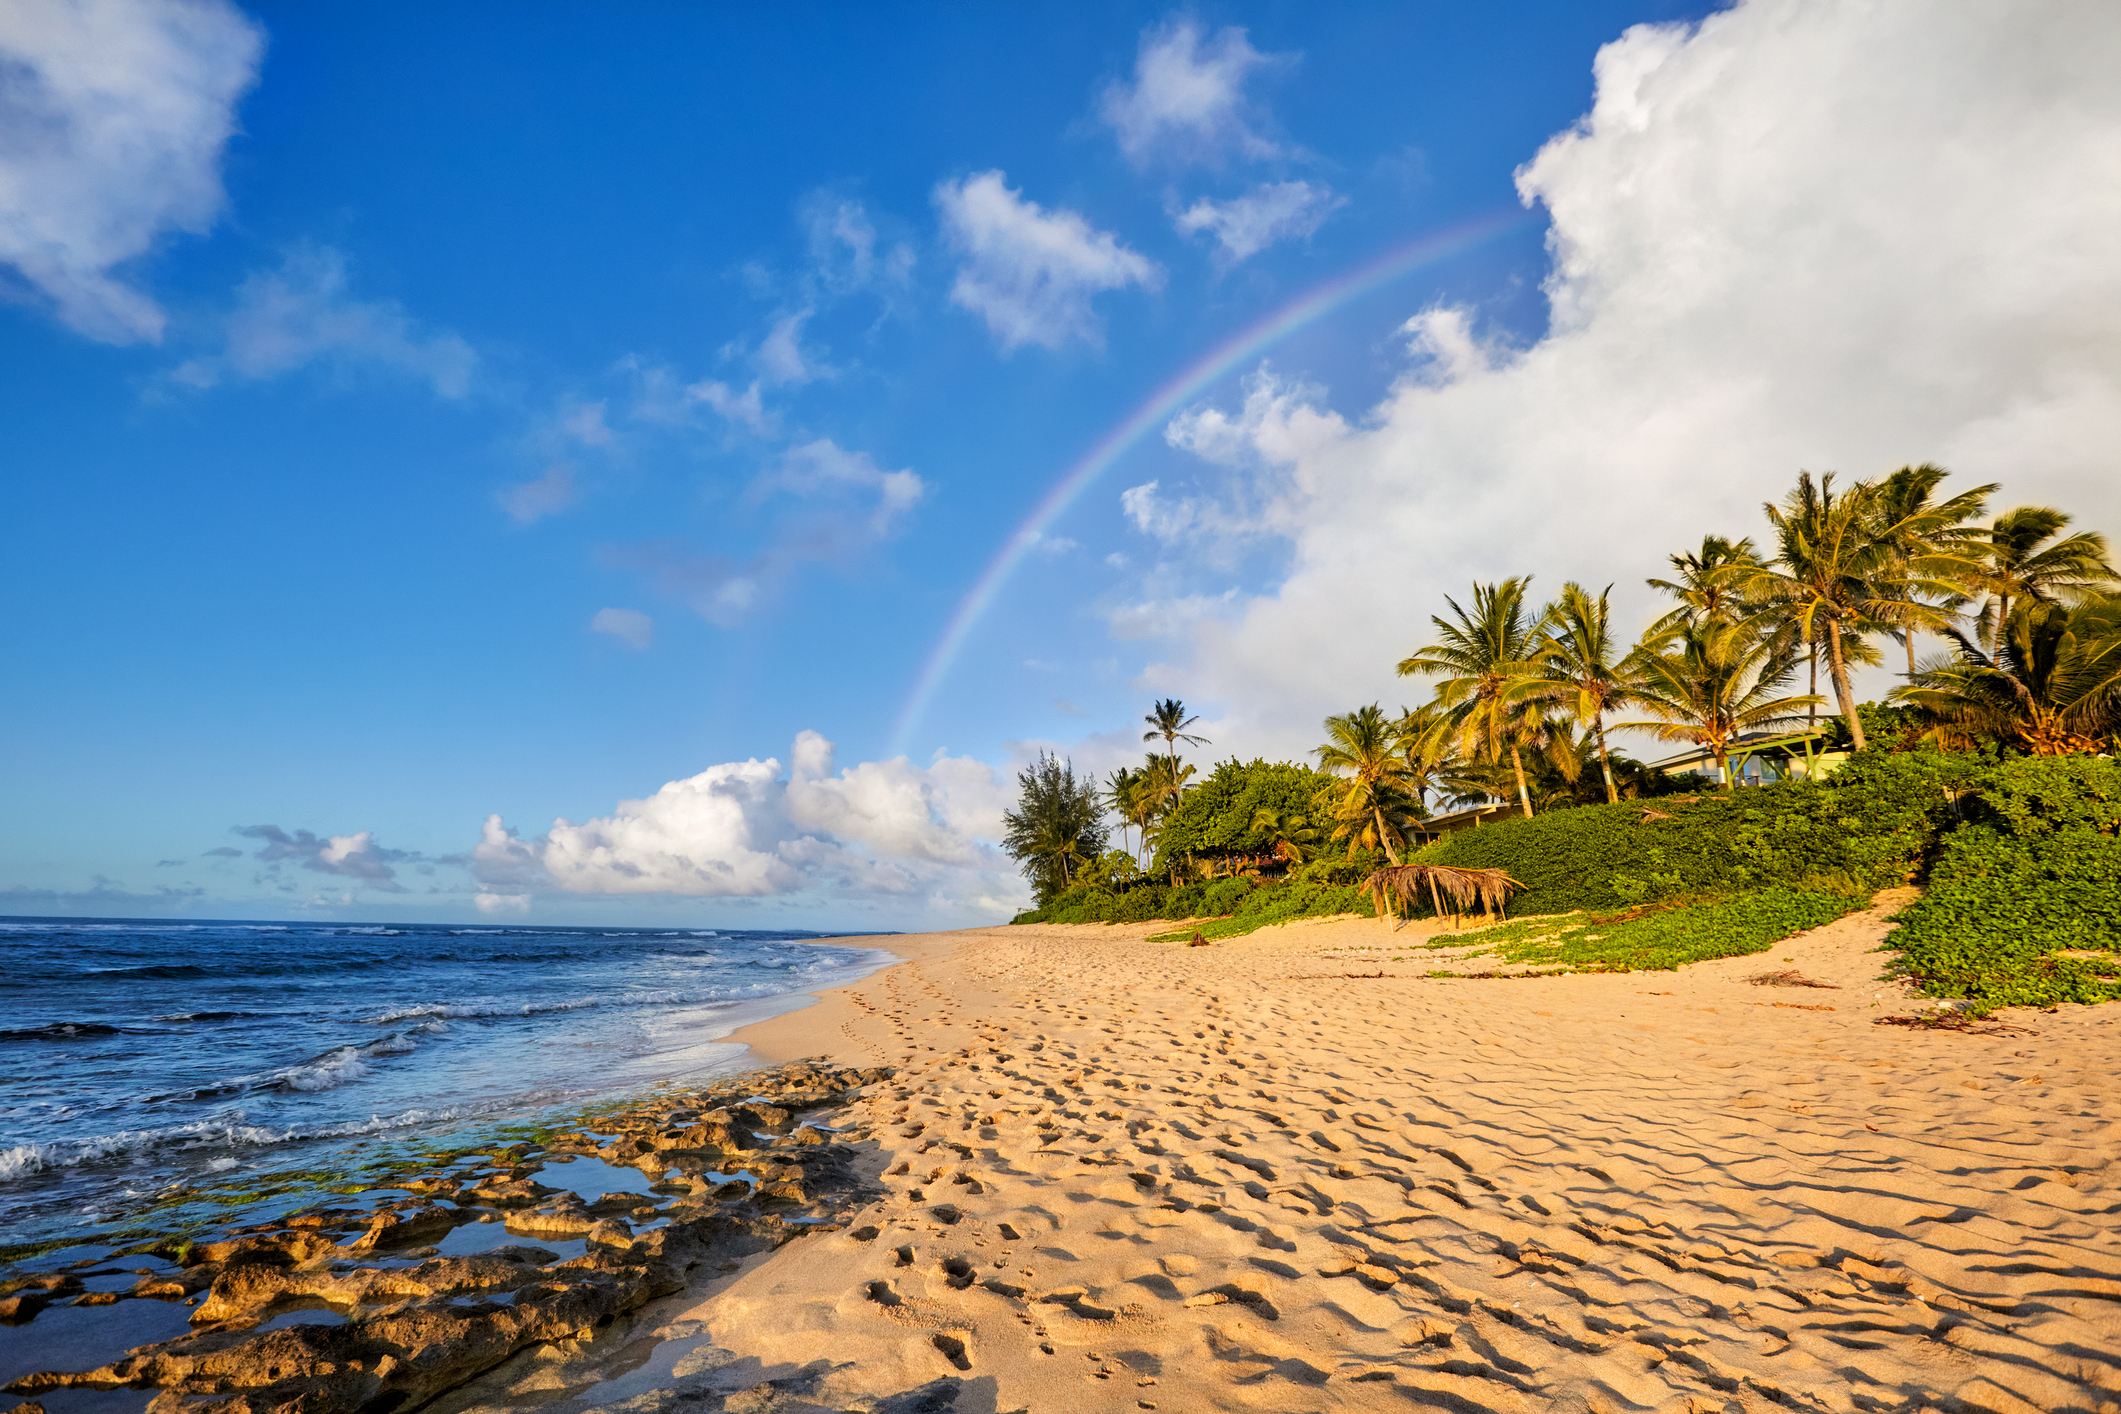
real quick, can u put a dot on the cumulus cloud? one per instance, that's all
(1270, 212)
(1253, 450)
(113, 118)
(504, 861)
(744, 829)
(302, 313)
(355, 856)
(1187, 102)
(630, 626)
(1915, 262)
(1031, 273)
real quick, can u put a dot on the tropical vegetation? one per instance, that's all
(1986, 776)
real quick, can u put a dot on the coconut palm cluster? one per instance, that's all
(1753, 658)
(2025, 612)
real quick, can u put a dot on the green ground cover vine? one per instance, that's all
(1659, 941)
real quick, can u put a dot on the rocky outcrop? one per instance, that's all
(415, 1323)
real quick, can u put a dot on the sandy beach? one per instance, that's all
(1123, 1175)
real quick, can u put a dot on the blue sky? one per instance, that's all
(419, 414)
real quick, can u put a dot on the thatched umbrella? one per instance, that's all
(1490, 888)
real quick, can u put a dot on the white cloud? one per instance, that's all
(504, 862)
(630, 626)
(1031, 273)
(493, 905)
(546, 495)
(845, 504)
(745, 407)
(1255, 449)
(1270, 212)
(354, 856)
(782, 356)
(844, 252)
(824, 468)
(113, 117)
(1915, 262)
(301, 314)
(875, 831)
(584, 422)
(1187, 102)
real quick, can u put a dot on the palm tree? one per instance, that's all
(2051, 685)
(1163, 785)
(1429, 743)
(1123, 789)
(1709, 682)
(1375, 808)
(1708, 581)
(2022, 565)
(1058, 822)
(1835, 568)
(1168, 720)
(1918, 530)
(1488, 663)
(1291, 834)
(1581, 666)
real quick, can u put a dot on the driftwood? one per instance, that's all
(1457, 888)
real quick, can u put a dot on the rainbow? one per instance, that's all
(1188, 384)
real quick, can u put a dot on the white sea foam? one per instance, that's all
(27, 1159)
(23, 1158)
(230, 1132)
(326, 1072)
(492, 1008)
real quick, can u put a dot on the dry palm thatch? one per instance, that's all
(1449, 890)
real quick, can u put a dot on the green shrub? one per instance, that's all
(1143, 903)
(1187, 901)
(1215, 817)
(2035, 872)
(1871, 824)
(1281, 903)
(1336, 868)
(1660, 942)
(1226, 895)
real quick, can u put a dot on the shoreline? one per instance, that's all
(1299, 1170)
(1286, 1172)
(820, 1029)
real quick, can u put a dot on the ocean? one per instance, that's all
(157, 1074)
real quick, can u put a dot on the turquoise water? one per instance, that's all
(141, 1061)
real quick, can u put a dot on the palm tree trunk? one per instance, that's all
(1839, 669)
(1605, 761)
(1812, 712)
(1524, 792)
(1910, 652)
(1723, 765)
(1383, 838)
